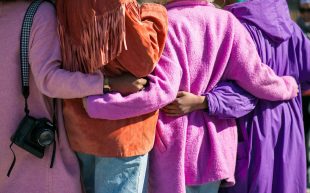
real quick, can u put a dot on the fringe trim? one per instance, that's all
(103, 39)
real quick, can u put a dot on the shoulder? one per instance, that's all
(203, 18)
(47, 8)
(46, 13)
(208, 14)
(152, 7)
(299, 35)
(44, 22)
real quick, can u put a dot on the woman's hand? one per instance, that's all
(126, 84)
(185, 103)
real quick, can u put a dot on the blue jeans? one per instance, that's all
(212, 187)
(114, 175)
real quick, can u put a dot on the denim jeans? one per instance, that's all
(114, 175)
(212, 187)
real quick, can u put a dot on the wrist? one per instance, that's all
(202, 103)
(106, 85)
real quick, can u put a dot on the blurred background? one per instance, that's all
(302, 16)
(293, 4)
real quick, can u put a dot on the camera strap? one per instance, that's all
(25, 70)
(56, 133)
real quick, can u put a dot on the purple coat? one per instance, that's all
(271, 152)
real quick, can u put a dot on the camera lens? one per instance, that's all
(45, 137)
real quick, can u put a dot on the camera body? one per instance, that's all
(33, 135)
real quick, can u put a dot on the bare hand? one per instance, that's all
(185, 103)
(127, 84)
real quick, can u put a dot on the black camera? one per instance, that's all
(34, 135)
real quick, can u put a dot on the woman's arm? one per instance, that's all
(247, 70)
(45, 61)
(162, 89)
(226, 100)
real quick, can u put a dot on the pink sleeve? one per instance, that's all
(246, 68)
(162, 89)
(45, 61)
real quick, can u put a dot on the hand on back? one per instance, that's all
(127, 84)
(185, 103)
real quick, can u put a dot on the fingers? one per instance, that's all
(297, 91)
(171, 106)
(172, 112)
(140, 87)
(130, 78)
(181, 93)
(142, 81)
(174, 115)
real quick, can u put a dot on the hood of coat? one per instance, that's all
(270, 16)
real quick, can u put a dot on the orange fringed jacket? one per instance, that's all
(146, 30)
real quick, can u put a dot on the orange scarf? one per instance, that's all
(95, 34)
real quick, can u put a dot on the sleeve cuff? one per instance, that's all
(212, 104)
(89, 110)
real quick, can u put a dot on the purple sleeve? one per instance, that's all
(303, 54)
(228, 100)
(162, 89)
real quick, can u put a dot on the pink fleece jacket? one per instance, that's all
(205, 45)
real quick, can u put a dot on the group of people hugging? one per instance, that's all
(177, 96)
